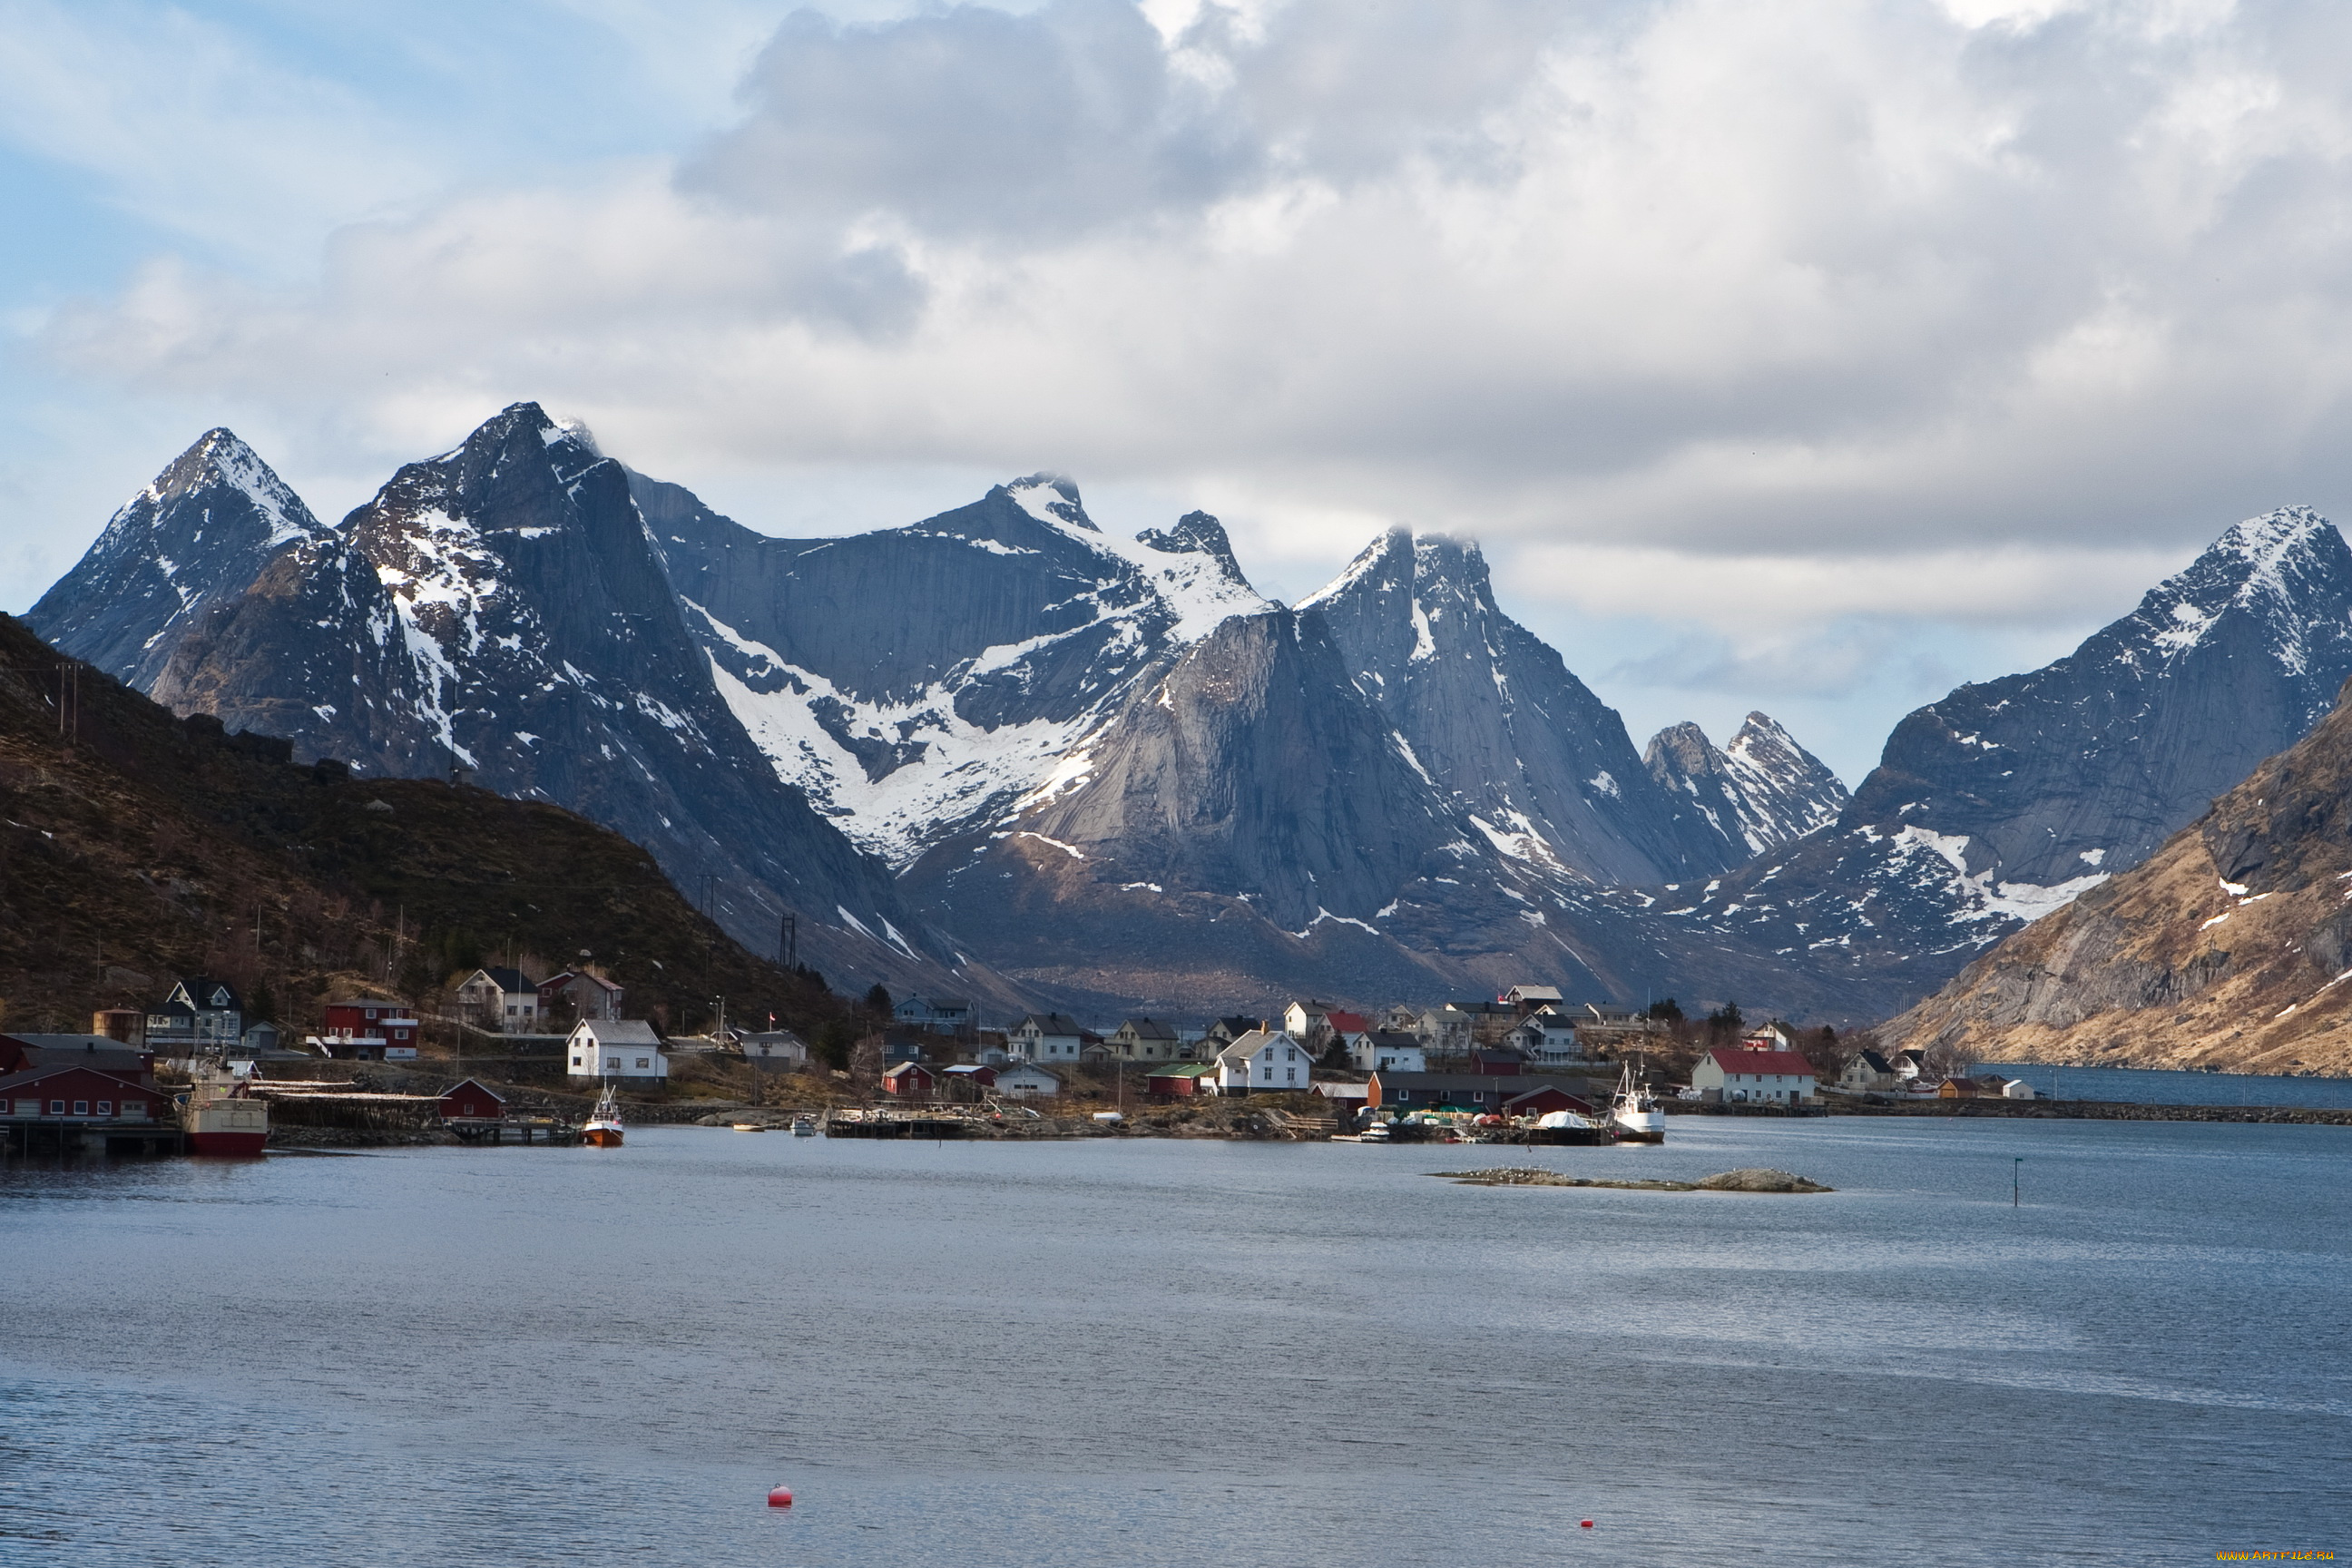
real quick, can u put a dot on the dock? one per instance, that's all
(885, 1124)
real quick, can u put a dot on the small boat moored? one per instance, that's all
(804, 1125)
(603, 1128)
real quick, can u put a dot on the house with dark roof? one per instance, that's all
(503, 1001)
(1046, 1038)
(1867, 1073)
(198, 1014)
(1145, 1040)
(1386, 1050)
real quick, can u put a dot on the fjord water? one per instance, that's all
(1165, 1353)
(2157, 1086)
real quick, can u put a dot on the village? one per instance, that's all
(513, 1057)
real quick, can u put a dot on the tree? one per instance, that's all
(879, 999)
(1725, 1019)
(1668, 1011)
(835, 1042)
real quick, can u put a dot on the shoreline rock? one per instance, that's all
(1752, 1179)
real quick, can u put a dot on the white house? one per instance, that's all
(1733, 1076)
(1309, 1023)
(1386, 1050)
(621, 1047)
(1546, 1039)
(1046, 1038)
(2017, 1088)
(775, 1050)
(1260, 1062)
(1447, 1030)
(1531, 998)
(1026, 1081)
(503, 999)
(1868, 1073)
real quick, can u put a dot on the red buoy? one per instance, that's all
(1580, 1524)
(779, 1497)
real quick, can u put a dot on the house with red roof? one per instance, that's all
(1730, 1075)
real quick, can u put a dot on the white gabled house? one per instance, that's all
(622, 1047)
(1387, 1050)
(1046, 1038)
(1260, 1062)
(1546, 1039)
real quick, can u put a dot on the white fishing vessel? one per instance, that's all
(603, 1128)
(1635, 1115)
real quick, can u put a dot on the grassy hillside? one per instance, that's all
(135, 848)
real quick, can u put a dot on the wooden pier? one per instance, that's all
(883, 1124)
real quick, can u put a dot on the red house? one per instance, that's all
(471, 1101)
(910, 1080)
(369, 1028)
(77, 1094)
(1543, 1101)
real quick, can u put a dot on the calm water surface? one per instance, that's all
(1156, 1352)
(2149, 1086)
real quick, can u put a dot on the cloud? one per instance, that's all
(1938, 307)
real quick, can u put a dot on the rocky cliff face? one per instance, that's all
(201, 533)
(1542, 768)
(2005, 801)
(1758, 793)
(2230, 948)
(501, 609)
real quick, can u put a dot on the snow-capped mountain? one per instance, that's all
(1759, 792)
(2004, 801)
(200, 531)
(1489, 714)
(915, 680)
(501, 609)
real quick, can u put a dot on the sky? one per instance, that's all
(1808, 357)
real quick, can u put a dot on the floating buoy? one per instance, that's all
(779, 1497)
(1580, 1524)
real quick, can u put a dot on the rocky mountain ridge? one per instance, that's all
(2008, 799)
(1004, 753)
(498, 609)
(2230, 948)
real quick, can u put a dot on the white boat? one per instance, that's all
(803, 1126)
(1378, 1133)
(602, 1128)
(1635, 1115)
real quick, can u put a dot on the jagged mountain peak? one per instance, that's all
(1761, 790)
(1408, 558)
(203, 527)
(2286, 571)
(1052, 499)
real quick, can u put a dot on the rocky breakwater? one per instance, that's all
(1752, 1179)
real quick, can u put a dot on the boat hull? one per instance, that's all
(601, 1137)
(1624, 1134)
(234, 1145)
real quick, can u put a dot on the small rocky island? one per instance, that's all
(1752, 1180)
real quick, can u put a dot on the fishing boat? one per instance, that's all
(803, 1126)
(603, 1126)
(1635, 1115)
(224, 1118)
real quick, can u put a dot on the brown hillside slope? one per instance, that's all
(135, 848)
(2231, 948)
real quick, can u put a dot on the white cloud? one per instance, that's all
(1941, 310)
